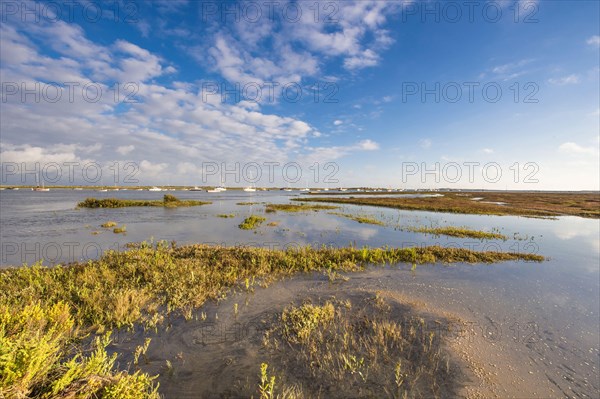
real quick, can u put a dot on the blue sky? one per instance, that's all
(393, 78)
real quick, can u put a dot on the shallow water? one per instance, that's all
(556, 302)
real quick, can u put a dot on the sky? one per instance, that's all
(403, 94)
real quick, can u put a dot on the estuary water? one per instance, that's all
(546, 313)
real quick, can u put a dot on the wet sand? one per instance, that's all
(501, 345)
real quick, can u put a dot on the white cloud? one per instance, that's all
(425, 143)
(125, 149)
(511, 70)
(488, 150)
(565, 80)
(576, 149)
(367, 58)
(337, 122)
(368, 145)
(594, 41)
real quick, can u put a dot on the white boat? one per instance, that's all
(252, 187)
(305, 189)
(221, 186)
(155, 189)
(38, 188)
(103, 190)
(196, 188)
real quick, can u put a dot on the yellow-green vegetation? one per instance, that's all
(41, 356)
(169, 201)
(248, 203)
(460, 232)
(299, 322)
(108, 225)
(121, 288)
(297, 207)
(252, 222)
(144, 285)
(529, 204)
(366, 345)
(225, 215)
(273, 224)
(118, 230)
(359, 219)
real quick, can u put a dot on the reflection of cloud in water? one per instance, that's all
(315, 224)
(586, 230)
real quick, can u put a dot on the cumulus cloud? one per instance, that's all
(368, 145)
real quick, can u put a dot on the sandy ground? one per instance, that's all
(501, 350)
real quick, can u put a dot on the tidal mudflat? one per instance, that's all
(298, 306)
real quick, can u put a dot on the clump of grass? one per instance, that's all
(460, 232)
(359, 219)
(225, 216)
(297, 207)
(108, 224)
(366, 345)
(252, 222)
(248, 203)
(299, 322)
(273, 224)
(169, 201)
(38, 358)
(119, 230)
(267, 383)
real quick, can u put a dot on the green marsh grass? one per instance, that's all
(359, 219)
(119, 230)
(297, 207)
(45, 312)
(459, 232)
(169, 201)
(364, 344)
(252, 222)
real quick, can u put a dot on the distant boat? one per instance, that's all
(252, 187)
(78, 189)
(196, 188)
(305, 189)
(155, 189)
(221, 186)
(38, 188)
(103, 190)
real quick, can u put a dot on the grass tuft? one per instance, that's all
(460, 232)
(252, 222)
(359, 219)
(297, 207)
